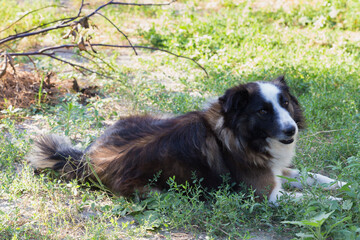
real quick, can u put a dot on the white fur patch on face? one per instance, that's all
(271, 94)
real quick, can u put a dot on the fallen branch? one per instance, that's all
(27, 34)
(77, 66)
(44, 50)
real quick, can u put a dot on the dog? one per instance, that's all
(249, 134)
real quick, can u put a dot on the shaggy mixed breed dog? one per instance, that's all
(249, 134)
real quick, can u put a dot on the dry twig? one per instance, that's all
(119, 31)
(44, 50)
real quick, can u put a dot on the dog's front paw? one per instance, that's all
(335, 198)
(336, 185)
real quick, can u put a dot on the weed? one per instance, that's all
(314, 225)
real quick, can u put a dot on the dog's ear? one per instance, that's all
(234, 99)
(280, 80)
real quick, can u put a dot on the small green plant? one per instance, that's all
(40, 92)
(314, 225)
(156, 39)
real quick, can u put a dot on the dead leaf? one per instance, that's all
(81, 44)
(84, 22)
(3, 69)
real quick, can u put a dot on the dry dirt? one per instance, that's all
(22, 88)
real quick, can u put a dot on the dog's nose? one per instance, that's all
(289, 131)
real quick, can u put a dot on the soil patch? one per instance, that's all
(22, 88)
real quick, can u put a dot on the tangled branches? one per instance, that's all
(74, 24)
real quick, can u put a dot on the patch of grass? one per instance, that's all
(315, 44)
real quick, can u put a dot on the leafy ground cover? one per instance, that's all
(315, 43)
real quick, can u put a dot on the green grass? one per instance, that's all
(315, 44)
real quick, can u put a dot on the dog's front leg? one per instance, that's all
(312, 179)
(278, 191)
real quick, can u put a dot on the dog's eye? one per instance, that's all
(286, 103)
(262, 112)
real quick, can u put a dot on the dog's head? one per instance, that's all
(260, 110)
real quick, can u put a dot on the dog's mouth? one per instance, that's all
(288, 141)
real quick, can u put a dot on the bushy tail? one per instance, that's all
(57, 153)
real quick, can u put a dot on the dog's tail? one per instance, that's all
(57, 153)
